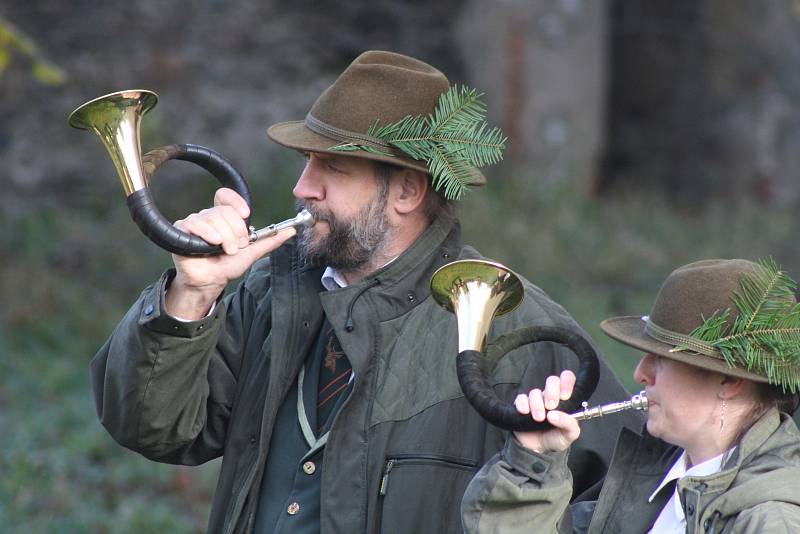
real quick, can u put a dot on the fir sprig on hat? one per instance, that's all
(765, 336)
(453, 141)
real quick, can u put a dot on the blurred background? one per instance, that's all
(643, 135)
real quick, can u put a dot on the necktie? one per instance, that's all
(334, 377)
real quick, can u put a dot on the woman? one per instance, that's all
(719, 454)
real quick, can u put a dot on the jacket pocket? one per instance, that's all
(422, 493)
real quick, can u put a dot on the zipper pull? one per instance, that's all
(385, 477)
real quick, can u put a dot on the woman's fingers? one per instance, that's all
(552, 392)
(541, 405)
(567, 383)
(568, 427)
(536, 401)
(521, 402)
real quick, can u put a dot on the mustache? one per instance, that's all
(318, 213)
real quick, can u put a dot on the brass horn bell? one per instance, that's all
(116, 119)
(477, 291)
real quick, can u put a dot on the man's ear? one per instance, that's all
(409, 189)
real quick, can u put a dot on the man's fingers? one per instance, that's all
(265, 245)
(220, 225)
(228, 197)
(197, 225)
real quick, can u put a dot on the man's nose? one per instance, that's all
(309, 186)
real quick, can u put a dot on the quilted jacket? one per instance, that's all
(404, 445)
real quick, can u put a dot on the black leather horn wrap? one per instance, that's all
(503, 414)
(146, 215)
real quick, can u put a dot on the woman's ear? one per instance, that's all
(730, 387)
(409, 189)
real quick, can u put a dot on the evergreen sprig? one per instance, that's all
(765, 336)
(453, 141)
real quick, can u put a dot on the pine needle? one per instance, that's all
(765, 336)
(453, 141)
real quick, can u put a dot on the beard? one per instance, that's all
(351, 243)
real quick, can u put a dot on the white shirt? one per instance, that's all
(333, 279)
(671, 520)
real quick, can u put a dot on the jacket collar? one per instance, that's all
(387, 293)
(640, 462)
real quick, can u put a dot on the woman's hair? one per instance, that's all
(769, 395)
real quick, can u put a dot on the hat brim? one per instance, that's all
(629, 330)
(296, 135)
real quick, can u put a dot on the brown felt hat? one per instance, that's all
(376, 86)
(690, 295)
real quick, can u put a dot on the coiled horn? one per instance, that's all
(476, 291)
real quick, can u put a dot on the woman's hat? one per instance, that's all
(734, 317)
(379, 89)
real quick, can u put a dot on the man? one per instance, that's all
(327, 379)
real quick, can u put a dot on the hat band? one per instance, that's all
(346, 136)
(682, 340)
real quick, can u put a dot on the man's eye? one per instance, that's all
(333, 168)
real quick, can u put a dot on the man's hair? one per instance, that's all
(435, 205)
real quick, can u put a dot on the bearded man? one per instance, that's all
(327, 379)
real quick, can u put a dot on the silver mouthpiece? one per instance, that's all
(637, 402)
(302, 219)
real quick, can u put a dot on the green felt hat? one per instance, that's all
(378, 100)
(736, 317)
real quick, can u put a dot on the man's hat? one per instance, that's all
(380, 90)
(734, 317)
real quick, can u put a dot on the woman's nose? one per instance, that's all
(644, 372)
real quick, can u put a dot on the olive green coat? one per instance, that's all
(758, 491)
(404, 445)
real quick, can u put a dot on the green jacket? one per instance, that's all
(758, 491)
(404, 445)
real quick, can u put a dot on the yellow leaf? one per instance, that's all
(48, 73)
(5, 59)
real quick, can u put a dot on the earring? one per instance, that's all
(722, 416)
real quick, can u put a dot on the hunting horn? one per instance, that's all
(116, 119)
(477, 291)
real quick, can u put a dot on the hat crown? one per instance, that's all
(696, 291)
(383, 86)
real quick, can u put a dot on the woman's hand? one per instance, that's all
(541, 405)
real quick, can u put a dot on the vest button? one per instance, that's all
(293, 508)
(309, 468)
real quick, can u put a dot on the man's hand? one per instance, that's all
(200, 280)
(541, 405)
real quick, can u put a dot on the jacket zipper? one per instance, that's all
(421, 459)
